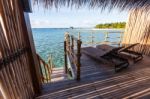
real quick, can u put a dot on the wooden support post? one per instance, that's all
(50, 62)
(72, 43)
(65, 56)
(79, 36)
(92, 38)
(78, 58)
(106, 36)
(121, 37)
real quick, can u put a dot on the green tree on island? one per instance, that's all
(117, 25)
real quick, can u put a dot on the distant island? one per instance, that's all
(116, 25)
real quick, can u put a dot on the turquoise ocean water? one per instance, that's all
(50, 40)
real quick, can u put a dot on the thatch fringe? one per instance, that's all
(123, 4)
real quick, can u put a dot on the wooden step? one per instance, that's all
(59, 71)
(58, 79)
(58, 74)
(58, 68)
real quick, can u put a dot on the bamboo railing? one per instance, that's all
(45, 69)
(90, 40)
(72, 49)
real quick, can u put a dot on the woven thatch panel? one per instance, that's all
(15, 75)
(138, 30)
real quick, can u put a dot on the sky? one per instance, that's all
(67, 17)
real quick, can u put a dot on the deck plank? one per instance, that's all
(99, 81)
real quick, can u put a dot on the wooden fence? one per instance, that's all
(72, 49)
(17, 75)
(138, 30)
(107, 39)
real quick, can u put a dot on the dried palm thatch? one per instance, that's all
(138, 30)
(123, 4)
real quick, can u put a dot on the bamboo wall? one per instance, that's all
(15, 73)
(138, 30)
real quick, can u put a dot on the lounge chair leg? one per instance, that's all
(116, 70)
(121, 66)
(138, 58)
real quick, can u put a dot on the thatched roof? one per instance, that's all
(123, 4)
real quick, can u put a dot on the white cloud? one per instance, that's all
(41, 23)
(49, 24)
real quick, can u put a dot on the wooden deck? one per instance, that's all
(99, 81)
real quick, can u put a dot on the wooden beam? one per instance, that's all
(35, 72)
(34, 61)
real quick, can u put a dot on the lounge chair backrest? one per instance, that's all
(128, 47)
(108, 49)
(95, 53)
(91, 51)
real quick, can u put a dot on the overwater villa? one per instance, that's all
(101, 71)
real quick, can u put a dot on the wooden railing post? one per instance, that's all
(72, 43)
(50, 62)
(92, 38)
(65, 56)
(66, 47)
(121, 37)
(78, 58)
(79, 36)
(106, 36)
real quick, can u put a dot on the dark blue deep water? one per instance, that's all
(50, 41)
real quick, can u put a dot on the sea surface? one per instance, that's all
(50, 40)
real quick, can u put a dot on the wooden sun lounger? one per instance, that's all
(101, 55)
(122, 51)
(95, 53)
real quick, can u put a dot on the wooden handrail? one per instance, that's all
(45, 69)
(106, 40)
(69, 49)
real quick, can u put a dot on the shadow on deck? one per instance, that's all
(100, 81)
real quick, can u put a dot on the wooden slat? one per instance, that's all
(118, 86)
